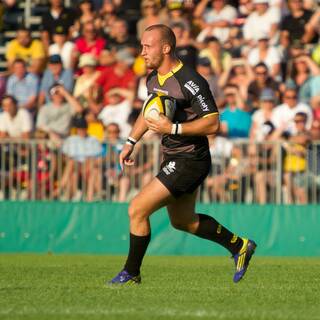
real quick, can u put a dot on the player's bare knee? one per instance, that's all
(136, 210)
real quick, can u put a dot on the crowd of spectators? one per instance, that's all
(84, 76)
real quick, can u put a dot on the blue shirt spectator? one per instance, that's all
(315, 86)
(235, 121)
(23, 86)
(238, 122)
(80, 146)
(55, 74)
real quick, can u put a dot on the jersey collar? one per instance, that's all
(163, 78)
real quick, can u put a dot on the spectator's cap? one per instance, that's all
(175, 5)
(60, 30)
(88, 60)
(212, 39)
(79, 123)
(53, 88)
(267, 128)
(263, 36)
(260, 1)
(267, 94)
(85, 1)
(124, 55)
(290, 85)
(203, 61)
(55, 58)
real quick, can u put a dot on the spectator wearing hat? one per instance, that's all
(263, 52)
(23, 86)
(263, 20)
(220, 59)
(283, 115)
(205, 70)
(84, 86)
(14, 122)
(294, 24)
(215, 20)
(57, 15)
(54, 118)
(62, 46)
(55, 74)
(81, 167)
(28, 49)
(185, 48)
(118, 75)
(150, 16)
(176, 14)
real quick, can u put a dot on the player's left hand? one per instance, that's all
(163, 125)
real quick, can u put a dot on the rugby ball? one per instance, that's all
(157, 104)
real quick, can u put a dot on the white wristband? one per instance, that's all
(176, 128)
(173, 128)
(131, 141)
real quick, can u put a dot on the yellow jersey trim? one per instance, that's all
(162, 78)
(210, 114)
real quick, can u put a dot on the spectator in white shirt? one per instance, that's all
(118, 110)
(215, 21)
(261, 21)
(263, 52)
(62, 46)
(283, 115)
(14, 122)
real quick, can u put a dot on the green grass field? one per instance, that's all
(72, 287)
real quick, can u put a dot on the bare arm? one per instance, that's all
(138, 130)
(75, 104)
(198, 12)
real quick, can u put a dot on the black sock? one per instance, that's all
(138, 248)
(211, 229)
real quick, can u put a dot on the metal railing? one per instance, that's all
(245, 173)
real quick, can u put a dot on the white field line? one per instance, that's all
(171, 313)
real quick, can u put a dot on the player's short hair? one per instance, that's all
(167, 35)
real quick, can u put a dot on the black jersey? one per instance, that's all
(194, 100)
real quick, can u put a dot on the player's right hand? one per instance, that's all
(124, 157)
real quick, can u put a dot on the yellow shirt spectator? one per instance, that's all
(17, 51)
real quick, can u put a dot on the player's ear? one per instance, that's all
(166, 49)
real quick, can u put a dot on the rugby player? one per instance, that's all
(186, 158)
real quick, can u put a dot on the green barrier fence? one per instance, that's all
(102, 228)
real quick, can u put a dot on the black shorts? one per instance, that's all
(182, 176)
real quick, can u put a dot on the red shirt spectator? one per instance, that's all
(119, 75)
(95, 48)
(88, 42)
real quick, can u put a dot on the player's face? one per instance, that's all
(152, 49)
